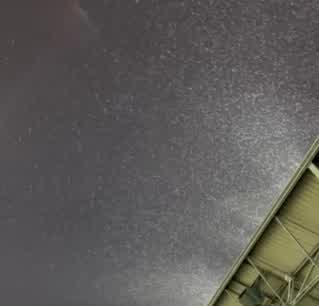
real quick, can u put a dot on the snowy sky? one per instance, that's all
(137, 160)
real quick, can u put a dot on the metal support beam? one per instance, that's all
(307, 289)
(302, 227)
(314, 169)
(297, 242)
(295, 293)
(270, 268)
(290, 290)
(266, 281)
(302, 287)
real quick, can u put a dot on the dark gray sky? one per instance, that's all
(143, 141)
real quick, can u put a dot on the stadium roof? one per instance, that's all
(280, 265)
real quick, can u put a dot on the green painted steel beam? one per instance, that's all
(314, 169)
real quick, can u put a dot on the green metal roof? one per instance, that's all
(279, 265)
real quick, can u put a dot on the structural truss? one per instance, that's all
(280, 266)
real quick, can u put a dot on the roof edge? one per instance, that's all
(309, 156)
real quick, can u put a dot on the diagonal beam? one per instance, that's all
(297, 242)
(290, 290)
(270, 268)
(286, 219)
(266, 281)
(303, 290)
(307, 289)
(314, 169)
(306, 278)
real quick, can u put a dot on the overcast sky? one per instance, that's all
(143, 141)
